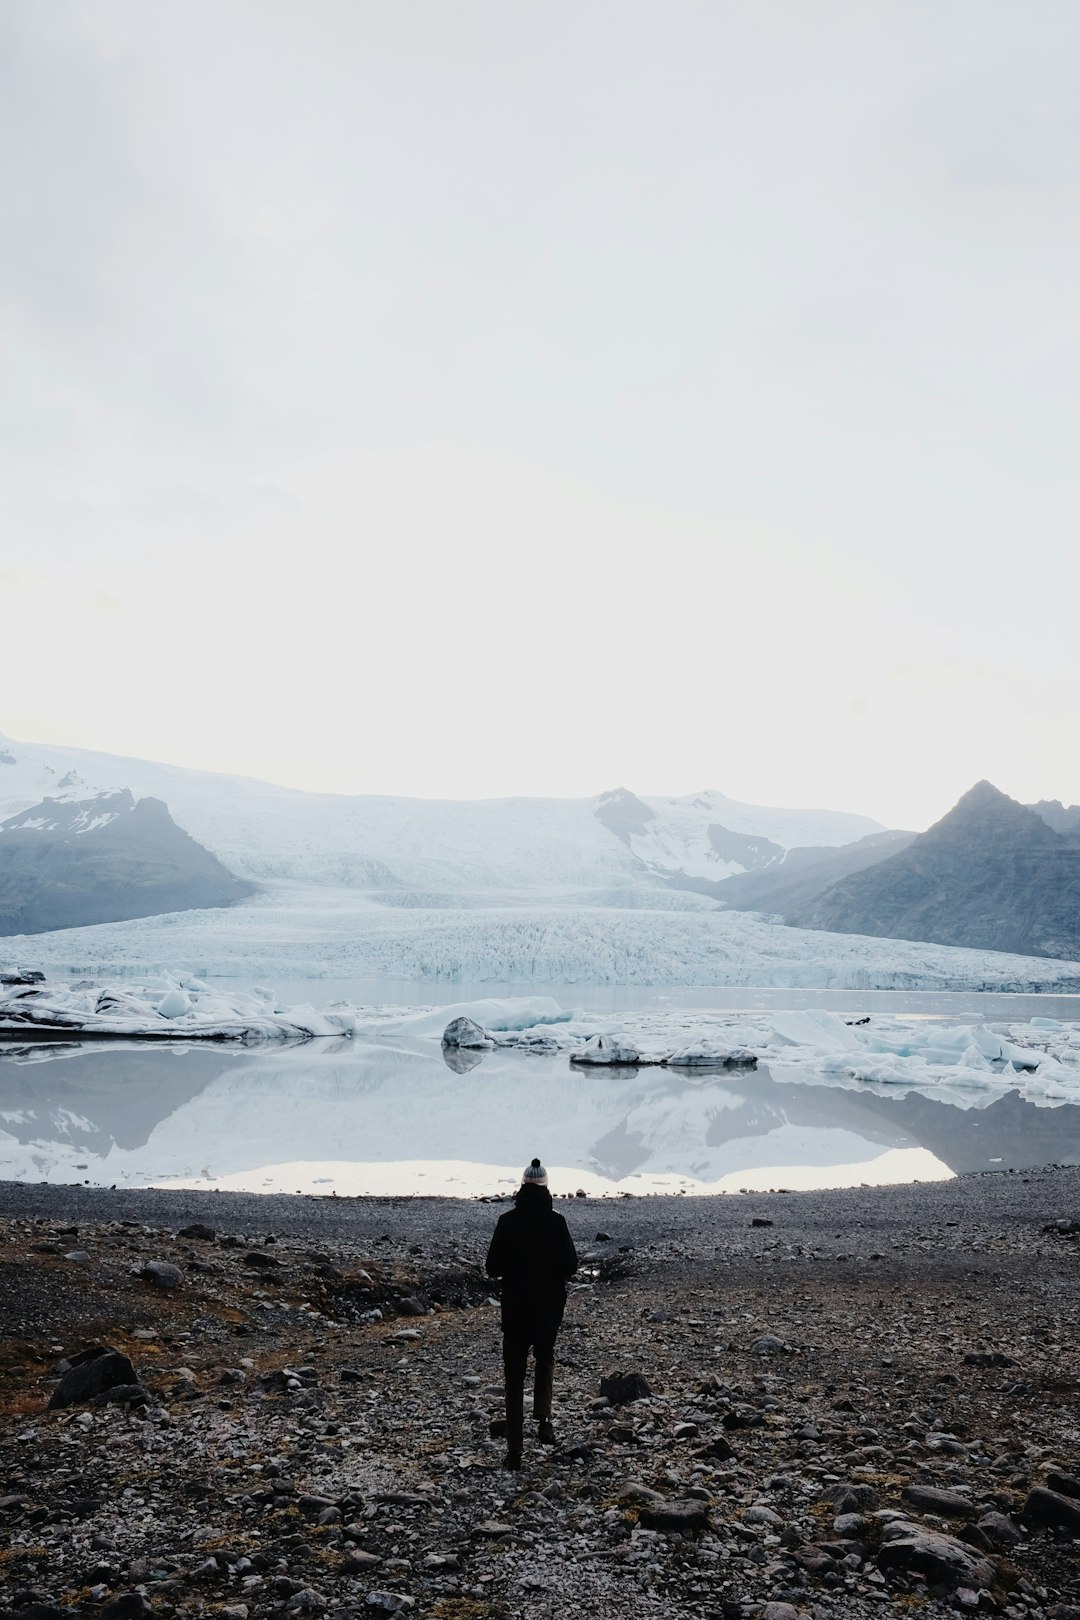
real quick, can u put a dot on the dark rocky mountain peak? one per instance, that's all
(743, 849)
(985, 809)
(623, 813)
(796, 878)
(1063, 818)
(66, 863)
(991, 874)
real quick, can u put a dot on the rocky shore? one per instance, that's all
(857, 1402)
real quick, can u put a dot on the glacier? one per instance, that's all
(308, 932)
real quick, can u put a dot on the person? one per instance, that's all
(533, 1252)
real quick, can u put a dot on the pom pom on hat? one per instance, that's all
(534, 1175)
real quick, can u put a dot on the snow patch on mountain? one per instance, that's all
(264, 832)
(712, 837)
(74, 809)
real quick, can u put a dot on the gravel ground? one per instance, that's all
(860, 1400)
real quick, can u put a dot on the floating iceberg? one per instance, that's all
(159, 1007)
(464, 1032)
(607, 1049)
(707, 1054)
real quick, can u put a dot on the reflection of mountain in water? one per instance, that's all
(151, 1112)
(92, 1097)
(1011, 1130)
(754, 1106)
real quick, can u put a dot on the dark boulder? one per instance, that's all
(946, 1504)
(939, 1557)
(1064, 1484)
(1050, 1508)
(161, 1274)
(91, 1373)
(622, 1388)
(675, 1516)
(126, 1606)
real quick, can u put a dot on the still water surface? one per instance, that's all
(395, 1116)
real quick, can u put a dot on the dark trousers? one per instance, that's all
(516, 1345)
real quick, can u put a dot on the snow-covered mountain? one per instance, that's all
(68, 861)
(265, 832)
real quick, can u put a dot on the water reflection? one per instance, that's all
(462, 1058)
(351, 1116)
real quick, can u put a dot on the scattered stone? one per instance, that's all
(161, 1274)
(719, 1448)
(999, 1529)
(622, 1388)
(121, 1395)
(310, 1507)
(90, 1373)
(769, 1345)
(1045, 1507)
(202, 1234)
(946, 1504)
(931, 1553)
(125, 1606)
(1064, 1484)
(678, 1516)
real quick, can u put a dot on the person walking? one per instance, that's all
(533, 1252)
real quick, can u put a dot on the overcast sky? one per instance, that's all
(475, 397)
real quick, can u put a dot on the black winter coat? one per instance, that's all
(533, 1252)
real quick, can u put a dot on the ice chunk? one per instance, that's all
(712, 1055)
(464, 1032)
(823, 1030)
(496, 1013)
(174, 1004)
(606, 1049)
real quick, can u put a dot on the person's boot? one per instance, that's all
(515, 1425)
(542, 1394)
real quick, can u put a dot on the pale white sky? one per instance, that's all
(536, 396)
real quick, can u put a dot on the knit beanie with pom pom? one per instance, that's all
(534, 1175)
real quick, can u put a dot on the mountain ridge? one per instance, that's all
(990, 875)
(265, 833)
(70, 862)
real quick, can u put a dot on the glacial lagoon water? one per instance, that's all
(382, 1117)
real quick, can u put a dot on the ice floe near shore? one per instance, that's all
(162, 1007)
(1039, 1057)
